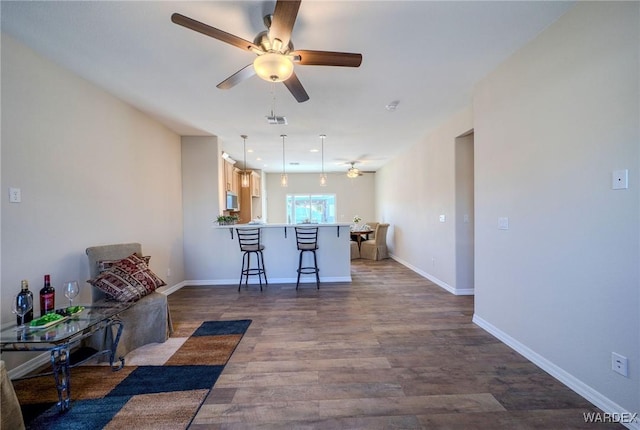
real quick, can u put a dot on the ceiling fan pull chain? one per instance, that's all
(273, 99)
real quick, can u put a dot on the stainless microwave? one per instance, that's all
(232, 202)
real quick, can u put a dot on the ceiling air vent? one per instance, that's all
(277, 120)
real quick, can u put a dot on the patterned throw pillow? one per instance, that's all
(107, 264)
(128, 279)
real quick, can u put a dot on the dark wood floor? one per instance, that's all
(390, 350)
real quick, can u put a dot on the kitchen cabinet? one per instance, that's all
(250, 201)
(256, 184)
(228, 171)
(231, 178)
(235, 181)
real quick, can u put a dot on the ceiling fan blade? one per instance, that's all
(284, 17)
(207, 30)
(295, 87)
(327, 58)
(239, 76)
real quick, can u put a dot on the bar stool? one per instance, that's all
(307, 239)
(249, 240)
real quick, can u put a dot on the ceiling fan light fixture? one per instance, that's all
(273, 67)
(353, 171)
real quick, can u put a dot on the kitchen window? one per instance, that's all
(311, 208)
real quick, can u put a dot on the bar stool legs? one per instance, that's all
(309, 270)
(249, 240)
(247, 270)
(307, 241)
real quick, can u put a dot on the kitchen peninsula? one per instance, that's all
(281, 254)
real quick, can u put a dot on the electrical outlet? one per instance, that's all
(15, 196)
(168, 272)
(620, 364)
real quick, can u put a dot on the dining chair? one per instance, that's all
(355, 251)
(376, 249)
(373, 225)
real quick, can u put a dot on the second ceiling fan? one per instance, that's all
(276, 55)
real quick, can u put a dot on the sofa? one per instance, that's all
(147, 321)
(10, 408)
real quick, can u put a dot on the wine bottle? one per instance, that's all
(24, 290)
(47, 297)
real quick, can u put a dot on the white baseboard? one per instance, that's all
(29, 366)
(254, 281)
(593, 396)
(438, 282)
(172, 289)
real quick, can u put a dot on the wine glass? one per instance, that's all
(22, 303)
(71, 289)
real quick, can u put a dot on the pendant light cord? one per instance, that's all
(283, 168)
(244, 149)
(322, 136)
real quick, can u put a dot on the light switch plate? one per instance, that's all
(503, 223)
(443, 218)
(620, 179)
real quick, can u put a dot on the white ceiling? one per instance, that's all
(425, 54)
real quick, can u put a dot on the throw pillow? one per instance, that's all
(107, 264)
(128, 279)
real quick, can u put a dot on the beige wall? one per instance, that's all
(202, 202)
(353, 196)
(464, 213)
(413, 191)
(562, 285)
(551, 124)
(92, 170)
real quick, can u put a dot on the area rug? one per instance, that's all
(162, 396)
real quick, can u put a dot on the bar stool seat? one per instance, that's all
(307, 241)
(249, 240)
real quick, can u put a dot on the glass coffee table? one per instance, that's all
(63, 340)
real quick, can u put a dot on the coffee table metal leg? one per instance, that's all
(114, 346)
(60, 364)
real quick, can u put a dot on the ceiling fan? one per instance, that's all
(353, 171)
(276, 55)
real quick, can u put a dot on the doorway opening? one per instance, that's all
(464, 190)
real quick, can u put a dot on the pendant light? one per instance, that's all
(323, 177)
(245, 175)
(283, 176)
